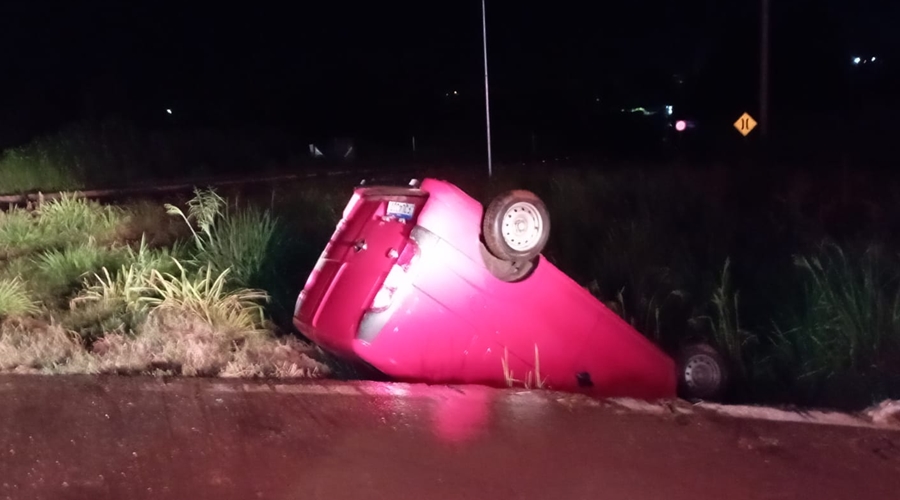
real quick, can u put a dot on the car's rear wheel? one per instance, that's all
(702, 372)
(516, 226)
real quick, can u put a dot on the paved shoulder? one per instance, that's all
(113, 438)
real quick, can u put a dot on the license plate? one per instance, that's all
(401, 210)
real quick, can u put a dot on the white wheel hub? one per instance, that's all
(702, 372)
(523, 226)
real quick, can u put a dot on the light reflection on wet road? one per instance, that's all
(117, 438)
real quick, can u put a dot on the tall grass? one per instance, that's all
(849, 321)
(726, 331)
(241, 243)
(236, 241)
(638, 243)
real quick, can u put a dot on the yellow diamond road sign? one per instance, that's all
(745, 124)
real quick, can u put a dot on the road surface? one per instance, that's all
(135, 438)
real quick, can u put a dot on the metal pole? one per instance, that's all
(487, 105)
(764, 70)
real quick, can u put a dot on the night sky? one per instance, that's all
(359, 67)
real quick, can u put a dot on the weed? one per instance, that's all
(205, 294)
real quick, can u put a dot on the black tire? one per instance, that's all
(505, 270)
(516, 226)
(702, 373)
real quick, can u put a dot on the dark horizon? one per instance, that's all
(386, 73)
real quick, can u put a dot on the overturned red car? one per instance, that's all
(424, 284)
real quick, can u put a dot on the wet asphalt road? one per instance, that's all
(134, 438)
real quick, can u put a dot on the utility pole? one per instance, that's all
(764, 69)
(487, 104)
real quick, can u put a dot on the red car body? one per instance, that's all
(409, 294)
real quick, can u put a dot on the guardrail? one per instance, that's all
(18, 199)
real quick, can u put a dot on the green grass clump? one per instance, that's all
(59, 272)
(19, 232)
(70, 214)
(54, 223)
(207, 295)
(15, 299)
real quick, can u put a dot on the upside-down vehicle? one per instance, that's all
(424, 284)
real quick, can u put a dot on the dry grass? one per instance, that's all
(533, 378)
(181, 343)
(168, 343)
(33, 346)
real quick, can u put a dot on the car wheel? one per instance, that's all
(505, 270)
(702, 373)
(516, 226)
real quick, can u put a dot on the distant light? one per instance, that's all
(873, 58)
(669, 110)
(169, 111)
(857, 60)
(680, 125)
(455, 93)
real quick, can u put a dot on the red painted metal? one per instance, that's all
(442, 317)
